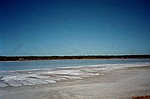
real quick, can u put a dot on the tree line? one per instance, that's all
(24, 58)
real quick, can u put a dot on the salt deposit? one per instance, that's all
(3, 84)
(17, 79)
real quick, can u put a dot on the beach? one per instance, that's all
(118, 83)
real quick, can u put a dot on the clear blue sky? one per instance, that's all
(74, 27)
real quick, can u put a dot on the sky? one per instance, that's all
(74, 27)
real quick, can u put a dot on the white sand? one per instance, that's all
(81, 83)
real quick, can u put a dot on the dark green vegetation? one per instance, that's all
(24, 58)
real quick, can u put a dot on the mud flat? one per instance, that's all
(78, 83)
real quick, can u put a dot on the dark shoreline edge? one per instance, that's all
(27, 58)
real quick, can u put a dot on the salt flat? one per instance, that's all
(79, 83)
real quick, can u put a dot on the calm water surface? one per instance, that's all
(29, 65)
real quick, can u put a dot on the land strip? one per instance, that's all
(26, 58)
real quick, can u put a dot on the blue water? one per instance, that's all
(29, 65)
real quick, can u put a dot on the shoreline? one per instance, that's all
(74, 66)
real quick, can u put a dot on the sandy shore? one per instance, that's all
(121, 83)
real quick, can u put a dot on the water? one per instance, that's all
(48, 64)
